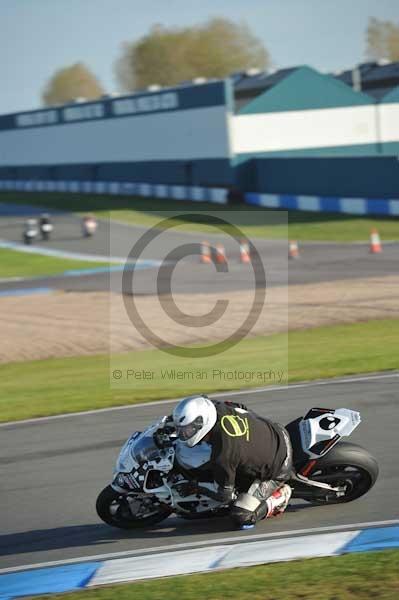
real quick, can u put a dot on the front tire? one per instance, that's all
(115, 509)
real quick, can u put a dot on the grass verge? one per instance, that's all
(347, 577)
(23, 264)
(54, 386)
(149, 211)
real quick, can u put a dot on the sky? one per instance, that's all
(38, 37)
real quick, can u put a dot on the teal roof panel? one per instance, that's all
(305, 89)
(392, 96)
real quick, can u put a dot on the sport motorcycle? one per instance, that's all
(157, 475)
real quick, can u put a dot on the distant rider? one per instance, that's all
(45, 220)
(248, 452)
(46, 226)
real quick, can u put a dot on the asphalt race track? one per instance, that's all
(318, 261)
(52, 471)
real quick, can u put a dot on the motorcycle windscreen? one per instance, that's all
(144, 449)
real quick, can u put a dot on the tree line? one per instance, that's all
(168, 56)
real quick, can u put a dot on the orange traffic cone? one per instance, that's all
(375, 242)
(245, 256)
(206, 253)
(220, 254)
(293, 251)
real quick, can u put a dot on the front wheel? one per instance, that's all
(348, 466)
(129, 511)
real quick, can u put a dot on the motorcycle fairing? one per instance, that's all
(125, 462)
(138, 456)
(321, 428)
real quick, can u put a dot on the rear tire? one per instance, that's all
(114, 509)
(345, 465)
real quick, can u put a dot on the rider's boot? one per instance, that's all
(278, 501)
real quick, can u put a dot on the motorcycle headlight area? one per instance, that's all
(144, 449)
(138, 449)
(141, 462)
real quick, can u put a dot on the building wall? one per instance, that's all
(389, 123)
(212, 172)
(188, 136)
(181, 133)
(352, 177)
(303, 130)
(306, 113)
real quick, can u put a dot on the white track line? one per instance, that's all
(306, 384)
(211, 542)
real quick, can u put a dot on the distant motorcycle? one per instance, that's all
(154, 470)
(89, 226)
(46, 227)
(30, 232)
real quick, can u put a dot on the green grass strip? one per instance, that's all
(348, 577)
(54, 386)
(14, 263)
(302, 225)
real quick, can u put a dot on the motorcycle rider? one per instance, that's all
(89, 225)
(30, 231)
(248, 452)
(45, 219)
(46, 226)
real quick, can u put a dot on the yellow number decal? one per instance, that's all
(235, 426)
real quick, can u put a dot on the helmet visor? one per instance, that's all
(186, 432)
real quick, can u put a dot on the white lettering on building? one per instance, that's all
(124, 106)
(87, 111)
(45, 117)
(130, 106)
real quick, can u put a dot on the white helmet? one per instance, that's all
(194, 417)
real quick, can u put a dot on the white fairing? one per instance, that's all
(90, 226)
(140, 457)
(125, 461)
(192, 458)
(327, 427)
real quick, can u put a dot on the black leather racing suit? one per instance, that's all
(247, 448)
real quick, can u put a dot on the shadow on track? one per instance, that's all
(75, 536)
(43, 540)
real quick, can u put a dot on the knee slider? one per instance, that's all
(244, 509)
(240, 516)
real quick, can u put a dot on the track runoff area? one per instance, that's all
(70, 554)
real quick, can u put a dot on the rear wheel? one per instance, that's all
(355, 480)
(348, 466)
(129, 511)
